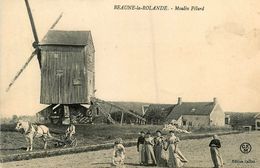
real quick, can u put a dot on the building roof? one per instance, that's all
(62, 37)
(242, 118)
(191, 108)
(158, 111)
(160, 108)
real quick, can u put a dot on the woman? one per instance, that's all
(176, 159)
(141, 148)
(160, 154)
(118, 153)
(214, 151)
(149, 153)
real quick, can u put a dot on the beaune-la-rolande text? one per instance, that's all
(141, 7)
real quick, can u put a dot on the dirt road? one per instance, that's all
(197, 152)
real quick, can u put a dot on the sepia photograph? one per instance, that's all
(129, 84)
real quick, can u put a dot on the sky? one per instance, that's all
(145, 56)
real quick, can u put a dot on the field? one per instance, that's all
(13, 142)
(197, 152)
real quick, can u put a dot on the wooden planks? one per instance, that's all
(64, 79)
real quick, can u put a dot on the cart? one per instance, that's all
(64, 141)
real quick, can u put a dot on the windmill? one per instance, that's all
(67, 63)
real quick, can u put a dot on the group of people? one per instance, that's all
(162, 152)
(158, 150)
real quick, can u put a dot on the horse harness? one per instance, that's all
(30, 129)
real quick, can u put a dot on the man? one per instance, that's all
(71, 130)
(214, 151)
(141, 147)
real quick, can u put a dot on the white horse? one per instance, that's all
(32, 131)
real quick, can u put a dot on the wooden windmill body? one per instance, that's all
(67, 70)
(67, 67)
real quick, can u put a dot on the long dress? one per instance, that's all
(149, 152)
(176, 158)
(141, 149)
(215, 154)
(118, 155)
(160, 153)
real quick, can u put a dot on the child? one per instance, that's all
(118, 153)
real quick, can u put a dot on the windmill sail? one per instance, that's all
(36, 51)
(32, 22)
(21, 70)
(55, 23)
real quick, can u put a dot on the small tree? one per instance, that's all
(14, 119)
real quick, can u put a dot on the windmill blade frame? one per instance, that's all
(36, 39)
(56, 21)
(54, 24)
(35, 44)
(22, 69)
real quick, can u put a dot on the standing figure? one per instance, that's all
(176, 158)
(71, 130)
(214, 151)
(141, 148)
(149, 152)
(118, 153)
(160, 154)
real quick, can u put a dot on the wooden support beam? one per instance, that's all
(120, 108)
(122, 118)
(66, 117)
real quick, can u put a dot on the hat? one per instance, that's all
(158, 131)
(142, 132)
(215, 136)
(118, 141)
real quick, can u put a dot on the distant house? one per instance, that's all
(157, 113)
(243, 120)
(197, 114)
(257, 122)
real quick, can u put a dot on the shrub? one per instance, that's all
(8, 127)
(206, 129)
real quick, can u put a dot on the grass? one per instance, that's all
(12, 141)
(205, 129)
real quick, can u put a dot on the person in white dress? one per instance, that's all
(176, 158)
(118, 154)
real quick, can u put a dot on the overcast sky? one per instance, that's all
(147, 56)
